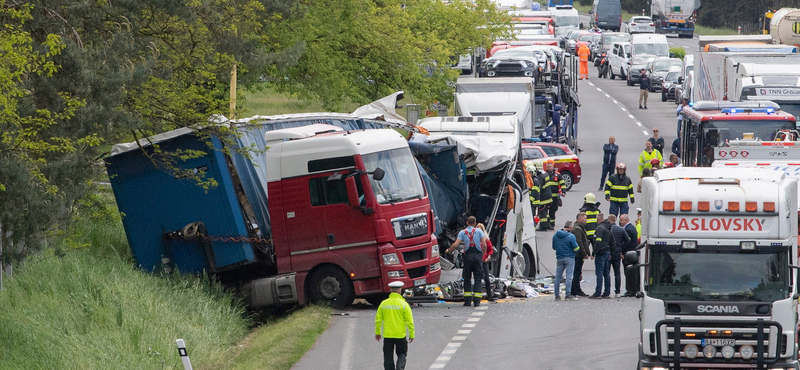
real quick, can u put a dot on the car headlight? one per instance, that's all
(529, 63)
(391, 259)
(435, 251)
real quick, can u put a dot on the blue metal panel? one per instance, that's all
(154, 202)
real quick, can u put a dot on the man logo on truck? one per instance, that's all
(716, 224)
(717, 309)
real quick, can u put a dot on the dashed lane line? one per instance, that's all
(452, 347)
(621, 106)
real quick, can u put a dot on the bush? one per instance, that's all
(678, 52)
(83, 311)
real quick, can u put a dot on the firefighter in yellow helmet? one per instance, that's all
(552, 189)
(619, 188)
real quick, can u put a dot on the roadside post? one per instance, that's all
(187, 365)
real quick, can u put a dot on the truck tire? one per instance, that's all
(329, 284)
(530, 262)
(622, 73)
(611, 71)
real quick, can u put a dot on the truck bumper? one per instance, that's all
(412, 272)
(682, 31)
(654, 364)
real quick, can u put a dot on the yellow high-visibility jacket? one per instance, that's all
(394, 315)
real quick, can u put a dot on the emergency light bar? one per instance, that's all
(748, 110)
(704, 206)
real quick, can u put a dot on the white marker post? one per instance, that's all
(187, 365)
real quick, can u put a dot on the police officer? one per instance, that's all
(394, 316)
(591, 208)
(618, 188)
(474, 244)
(555, 183)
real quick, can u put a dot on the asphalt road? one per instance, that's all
(537, 333)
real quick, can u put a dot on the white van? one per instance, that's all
(648, 43)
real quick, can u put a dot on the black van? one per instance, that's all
(606, 14)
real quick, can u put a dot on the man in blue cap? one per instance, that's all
(394, 316)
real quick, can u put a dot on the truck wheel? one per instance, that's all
(530, 262)
(611, 71)
(568, 179)
(622, 73)
(331, 285)
(376, 299)
(663, 97)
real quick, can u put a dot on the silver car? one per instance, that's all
(636, 64)
(640, 24)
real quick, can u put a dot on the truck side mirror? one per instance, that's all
(631, 258)
(352, 192)
(378, 174)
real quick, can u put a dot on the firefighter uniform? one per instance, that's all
(619, 188)
(532, 178)
(545, 199)
(555, 183)
(473, 264)
(591, 210)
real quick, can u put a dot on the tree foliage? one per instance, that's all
(366, 49)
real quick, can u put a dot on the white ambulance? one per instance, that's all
(717, 261)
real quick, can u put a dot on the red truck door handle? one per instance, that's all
(331, 239)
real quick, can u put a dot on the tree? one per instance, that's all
(365, 49)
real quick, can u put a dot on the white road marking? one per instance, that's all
(607, 96)
(481, 307)
(615, 102)
(457, 337)
(468, 326)
(590, 84)
(631, 116)
(443, 358)
(645, 132)
(449, 351)
(464, 332)
(479, 313)
(437, 366)
(639, 123)
(473, 319)
(454, 344)
(347, 348)
(599, 89)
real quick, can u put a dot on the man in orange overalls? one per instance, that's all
(584, 52)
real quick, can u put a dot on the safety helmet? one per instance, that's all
(530, 166)
(588, 198)
(621, 166)
(654, 161)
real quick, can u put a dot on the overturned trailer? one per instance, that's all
(473, 166)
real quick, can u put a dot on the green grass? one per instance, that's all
(265, 101)
(679, 52)
(708, 31)
(87, 312)
(280, 344)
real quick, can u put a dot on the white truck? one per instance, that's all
(490, 147)
(737, 76)
(785, 26)
(717, 255)
(674, 16)
(499, 96)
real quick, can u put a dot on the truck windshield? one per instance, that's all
(720, 133)
(719, 276)
(401, 182)
(567, 21)
(661, 50)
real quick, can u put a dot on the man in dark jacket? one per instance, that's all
(631, 278)
(581, 254)
(644, 88)
(609, 160)
(603, 245)
(658, 141)
(565, 246)
(620, 239)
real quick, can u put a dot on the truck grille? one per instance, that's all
(759, 334)
(414, 255)
(417, 272)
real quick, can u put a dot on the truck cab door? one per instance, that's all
(346, 230)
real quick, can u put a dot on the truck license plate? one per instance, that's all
(409, 227)
(419, 282)
(722, 342)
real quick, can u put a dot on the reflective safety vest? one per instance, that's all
(619, 188)
(394, 315)
(554, 182)
(645, 158)
(534, 193)
(545, 192)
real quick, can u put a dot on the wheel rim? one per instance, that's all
(567, 180)
(330, 287)
(519, 259)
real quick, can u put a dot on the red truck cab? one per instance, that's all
(350, 213)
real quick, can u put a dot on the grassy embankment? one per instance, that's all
(84, 306)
